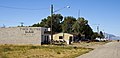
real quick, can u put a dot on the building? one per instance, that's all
(24, 35)
(68, 38)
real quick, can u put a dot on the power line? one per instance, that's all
(21, 8)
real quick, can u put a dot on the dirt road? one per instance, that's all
(109, 50)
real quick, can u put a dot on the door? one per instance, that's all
(70, 39)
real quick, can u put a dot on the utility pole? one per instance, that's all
(52, 12)
(51, 23)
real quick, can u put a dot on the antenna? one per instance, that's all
(98, 29)
(78, 13)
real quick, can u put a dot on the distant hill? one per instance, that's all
(111, 36)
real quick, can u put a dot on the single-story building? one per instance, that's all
(63, 37)
(24, 35)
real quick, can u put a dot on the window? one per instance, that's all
(60, 37)
(42, 36)
(45, 29)
(47, 37)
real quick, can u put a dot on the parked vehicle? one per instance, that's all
(117, 40)
(100, 39)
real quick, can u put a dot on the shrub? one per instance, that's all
(33, 47)
(75, 47)
(7, 49)
(58, 52)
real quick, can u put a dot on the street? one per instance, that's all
(109, 50)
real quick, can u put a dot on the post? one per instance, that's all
(51, 23)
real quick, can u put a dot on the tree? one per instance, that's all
(56, 21)
(88, 32)
(95, 35)
(81, 27)
(36, 25)
(57, 18)
(43, 23)
(101, 34)
(67, 24)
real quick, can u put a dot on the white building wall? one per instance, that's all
(21, 35)
(44, 36)
(66, 37)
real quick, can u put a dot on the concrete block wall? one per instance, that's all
(20, 35)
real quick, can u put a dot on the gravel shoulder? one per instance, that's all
(93, 45)
(109, 50)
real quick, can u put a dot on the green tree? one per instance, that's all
(56, 23)
(88, 32)
(95, 35)
(67, 24)
(81, 27)
(36, 25)
(101, 35)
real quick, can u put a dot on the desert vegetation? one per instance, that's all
(30, 51)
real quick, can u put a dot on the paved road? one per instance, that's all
(109, 50)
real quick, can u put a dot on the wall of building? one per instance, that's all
(45, 38)
(65, 37)
(21, 35)
(56, 36)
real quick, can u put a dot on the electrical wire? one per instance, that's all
(21, 8)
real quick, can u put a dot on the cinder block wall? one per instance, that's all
(20, 35)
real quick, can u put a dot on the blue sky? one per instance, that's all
(106, 13)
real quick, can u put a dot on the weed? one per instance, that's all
(7, 49)
(4, 56)
(58, 52)
(33, 47)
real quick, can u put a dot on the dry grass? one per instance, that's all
(30, 51)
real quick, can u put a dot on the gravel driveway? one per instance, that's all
(109, 50)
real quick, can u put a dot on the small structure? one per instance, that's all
(63, 37)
